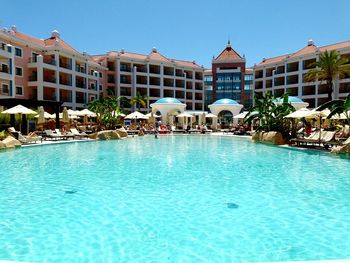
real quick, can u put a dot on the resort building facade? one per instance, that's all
(154, 76)
(229, 78)
(48, 70)
(286, 73)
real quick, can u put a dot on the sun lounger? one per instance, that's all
(66, 135)
(78, 134)
(312, 139)
(24, 139)
(49, 134)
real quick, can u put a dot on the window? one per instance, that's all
(100, 73)
(3, 46)
(19, 71)
(100, 87)
(18, 52)
(5, 88)
(19, 90)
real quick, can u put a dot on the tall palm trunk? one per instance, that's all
(329, 89)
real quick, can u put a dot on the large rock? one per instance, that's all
(11, 142)
(2, 145)
(342, 149)
(122, 133)
(271, 137)
(107, 135)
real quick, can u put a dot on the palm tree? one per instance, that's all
(139, 100)
(330, 66)
(338, 107)
(270, 113)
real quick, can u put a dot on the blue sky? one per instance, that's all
(184, 29)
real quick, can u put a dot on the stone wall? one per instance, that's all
(269, 138)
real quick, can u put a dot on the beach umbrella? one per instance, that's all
(241, 115)
(65, 115)
(151, 114)
(301, 113)
(184, 114)
(46, 115)
(41, 117)
(19, 109)
(86, 112)
(211, 115)
(136, 115)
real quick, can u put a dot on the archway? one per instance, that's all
(225, 119)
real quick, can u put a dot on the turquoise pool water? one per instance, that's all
(175, 199)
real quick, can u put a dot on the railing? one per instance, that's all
(50, 79)
(5, 69)
(80, 69)
(65, 82)
(111, 80)
(169, 73)
(65, 65)
(33, 78)
(80, 85)
(141, 70)
(32, 59)
(49, 61)
(125, 69)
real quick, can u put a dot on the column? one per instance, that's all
(57, 76)
(40, 78)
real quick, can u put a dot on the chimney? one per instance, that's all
(122, 51)
(310, 42)
(154, 49)
(14, 28)
(55, 34)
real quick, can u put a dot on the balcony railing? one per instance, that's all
(49, 61)
(65, 82)
(5, 69)
(80, 69)
(65, 65)
(33, 78)
(50, 79)
(80, 85)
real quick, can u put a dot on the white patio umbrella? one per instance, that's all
(241, 115)
(19, 109)
(65, 115)
(116, 114)
(72, 112)
(301, 113)
(211, 115)
(70, 117)
(41, 117)
(86, 112)
(136, 115)
(46, 115)
(154, 115)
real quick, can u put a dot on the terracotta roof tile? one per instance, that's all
(45, 43)
(156, 56)
(152, 56)
(228, 54)
(306, 50)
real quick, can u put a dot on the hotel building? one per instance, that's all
(154, 76)
(286, 74)
(229, 78)
(47, 70)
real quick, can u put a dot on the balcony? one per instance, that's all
(4, 69)
(79, 68)
(33, 78)
(80, 84)
(66, 65)
(50, 79)
(125, 68)
(49, 61)
(66, 82)
(92, 86)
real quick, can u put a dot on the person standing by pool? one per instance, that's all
(156, 129)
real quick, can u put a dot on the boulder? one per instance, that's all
(2, 145)
(11, 142)
(93, 135)
(342, 149)
(271, 137)
(122, 133)
(107, 135)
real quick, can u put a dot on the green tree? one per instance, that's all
(338, 107)
(330, 66)
(269, 113)
(139, 100)
(107, 110)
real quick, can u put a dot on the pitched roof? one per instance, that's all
(154, 55)
(52, 41)
(228, 54)
(309, 49)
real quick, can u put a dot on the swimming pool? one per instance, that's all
(178, 198)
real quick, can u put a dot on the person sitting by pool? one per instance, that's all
(308, 129)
